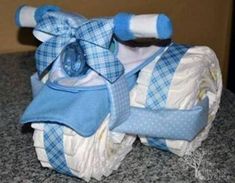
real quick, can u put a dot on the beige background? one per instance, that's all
(200, 22)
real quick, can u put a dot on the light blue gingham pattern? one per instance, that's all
(94, 36)
(53, 143)
(62, 28)
(166, 123)
(120, 102)
(160, 83)
(162, 76)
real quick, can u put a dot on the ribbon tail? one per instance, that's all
(54, 147)
(120, 102)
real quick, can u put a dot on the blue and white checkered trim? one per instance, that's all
(160, 83)
(53, 143)
(48, 51)
(162, 76)
(95, 38)
(120, 102)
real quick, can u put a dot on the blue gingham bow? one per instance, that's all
(93, 36)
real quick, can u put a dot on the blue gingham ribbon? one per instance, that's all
(54, 146)
(93, 36)
(160, 83)
(158, 122)
(162, 76)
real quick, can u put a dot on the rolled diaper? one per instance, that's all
(129, 26)
(87, 157)
(196, 77)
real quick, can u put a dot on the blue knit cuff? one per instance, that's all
(17, 15)
(44, 9)
(122, 26)
(164, 27)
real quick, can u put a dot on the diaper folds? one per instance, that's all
(85, 157)
(97, 94)
(196, 77)
(70, 135)
(193, 93)
(179, 124)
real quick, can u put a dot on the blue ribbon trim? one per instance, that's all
(54, 146)
(160, 81)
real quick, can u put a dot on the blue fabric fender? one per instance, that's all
(81, 110)
(167, 123)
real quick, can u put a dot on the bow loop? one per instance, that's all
(54, 26)
(62, 29)
(96, 31)
(93, 36)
